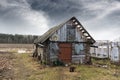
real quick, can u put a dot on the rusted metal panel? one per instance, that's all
(65, 52)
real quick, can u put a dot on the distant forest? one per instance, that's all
(17, 38)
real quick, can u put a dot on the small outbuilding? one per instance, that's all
(68, 42)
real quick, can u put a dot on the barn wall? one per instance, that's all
(78, 52)
(68, 33)
(64, 33)
(78, 59)
(40, 52)
(54, 51)
(79, 36)
(59, 35)
(79, 48)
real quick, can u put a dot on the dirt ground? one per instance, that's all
(6, 66)
(22, 66)
(15, 66)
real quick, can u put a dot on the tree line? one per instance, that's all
(17, 38)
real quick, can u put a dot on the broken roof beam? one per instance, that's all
(78, 26)
(81, 29)
(88, 37)
(75, 22)
(86, 34)
(85, 30)
(73, 18)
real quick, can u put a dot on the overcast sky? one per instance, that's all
(101, 18)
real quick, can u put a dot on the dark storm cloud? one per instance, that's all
(62, 8)
(36, 15)
(57, 9)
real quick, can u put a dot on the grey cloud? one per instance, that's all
(16, 16)
(114, 17)
(32, 15)
(57, 9)
(62, 9)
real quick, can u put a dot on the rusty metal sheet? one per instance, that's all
(65, 54)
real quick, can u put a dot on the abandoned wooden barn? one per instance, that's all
(68, 42)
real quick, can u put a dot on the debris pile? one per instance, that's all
(6, 65)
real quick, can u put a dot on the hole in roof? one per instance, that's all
(78, 26)
(83, 30)
(73, 20)
(76, 23)
(85, 34)
(88, 37)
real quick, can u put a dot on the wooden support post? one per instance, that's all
(88, 57)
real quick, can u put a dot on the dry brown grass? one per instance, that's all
(27, 68)
(82, 72)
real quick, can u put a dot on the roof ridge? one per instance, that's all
(52, 30)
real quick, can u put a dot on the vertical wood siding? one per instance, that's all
(62, 35)
(68, 33)
(54, 51)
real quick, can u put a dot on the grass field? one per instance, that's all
(27, 68)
